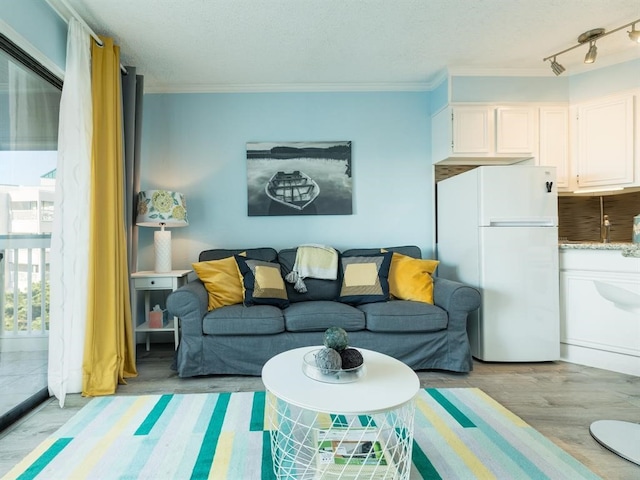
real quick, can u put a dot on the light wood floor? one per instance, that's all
(559, 399)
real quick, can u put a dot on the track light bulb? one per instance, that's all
(556, 67)
(634, 34)
(591, 55)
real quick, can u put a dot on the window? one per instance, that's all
(29, 110)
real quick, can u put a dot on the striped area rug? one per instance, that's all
(460, 433)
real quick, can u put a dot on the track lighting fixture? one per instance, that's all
(591, 55)
(556, 67)
(590, 37)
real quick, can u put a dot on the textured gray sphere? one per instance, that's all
(336, 338)
(327, 359)
(351, 358)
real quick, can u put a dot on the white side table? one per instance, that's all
(147, 281)
(306, 415)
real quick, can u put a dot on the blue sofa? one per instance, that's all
(239, 340)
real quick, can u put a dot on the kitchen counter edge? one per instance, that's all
(628, 249)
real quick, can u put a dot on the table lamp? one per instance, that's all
(162, 208)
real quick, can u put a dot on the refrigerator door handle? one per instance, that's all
(537, 222)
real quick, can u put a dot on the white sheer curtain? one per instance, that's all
(70, 238)
(33, 110)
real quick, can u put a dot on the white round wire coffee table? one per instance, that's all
(362, 429)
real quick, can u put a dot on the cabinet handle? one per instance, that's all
(153, 282)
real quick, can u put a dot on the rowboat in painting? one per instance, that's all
(295, 189)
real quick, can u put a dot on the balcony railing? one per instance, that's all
(24, 285)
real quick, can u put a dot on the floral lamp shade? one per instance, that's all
(162, 208)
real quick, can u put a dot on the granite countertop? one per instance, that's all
(627, 249)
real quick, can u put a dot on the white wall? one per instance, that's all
(195, 143)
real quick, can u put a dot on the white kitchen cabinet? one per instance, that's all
(593, 330)
(554, 142)
(605, 130)
(472, 130)
(515, 130)
(483, 134)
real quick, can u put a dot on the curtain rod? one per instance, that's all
(77, 16)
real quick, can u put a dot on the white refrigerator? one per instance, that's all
(497, 230)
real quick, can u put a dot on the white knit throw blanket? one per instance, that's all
(313, 261)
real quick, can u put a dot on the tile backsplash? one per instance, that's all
(442, 172)
(579, 217)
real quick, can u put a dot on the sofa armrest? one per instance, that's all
(455, 296)
(189, 303)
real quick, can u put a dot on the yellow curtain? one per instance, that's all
(108, 353)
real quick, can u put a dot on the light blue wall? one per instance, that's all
(605, 81)
(564, 88)
(38, 24)
(509, 89)
(439, 97)
(196, 143)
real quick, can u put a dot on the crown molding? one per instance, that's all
(291, 88)
(436, 80)
(543, 71)
(439, 77)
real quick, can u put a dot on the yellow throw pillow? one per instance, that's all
(410, 278)
(221, 278)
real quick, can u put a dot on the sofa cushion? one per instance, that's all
(409, 250)
(410, 278)
(364, 278)
(266, 254)
(319, 315)
(404, 316)
(317, 289)
(263, 283)
(240, 320)
(221, 278)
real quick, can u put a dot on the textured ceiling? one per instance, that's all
(262, 45)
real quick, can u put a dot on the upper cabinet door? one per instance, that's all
(515, 130)
(605, 142)
(554, 141)
(484, 134)
(472, 130)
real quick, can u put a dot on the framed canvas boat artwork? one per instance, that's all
(299, 178)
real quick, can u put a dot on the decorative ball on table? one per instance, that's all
(335, 362)
(351, 358)
(328, 360)
(336, 338)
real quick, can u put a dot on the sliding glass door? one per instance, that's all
(29, 108)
